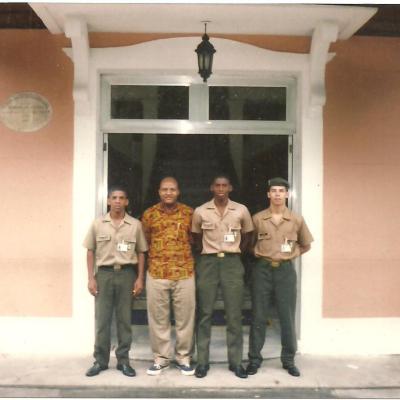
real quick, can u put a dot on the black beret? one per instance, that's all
(278, 182)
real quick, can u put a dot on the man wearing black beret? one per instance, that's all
(280, 236)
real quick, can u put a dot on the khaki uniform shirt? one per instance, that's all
(103, 238)
(169, 237)
(292, 230)
(208, 221)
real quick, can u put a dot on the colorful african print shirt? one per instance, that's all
(169, 238)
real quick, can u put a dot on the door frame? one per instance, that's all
(198, 122)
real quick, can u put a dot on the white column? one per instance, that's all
(85, 178)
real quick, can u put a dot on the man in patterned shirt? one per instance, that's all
(170, 278)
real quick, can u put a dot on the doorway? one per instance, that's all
(140, 161)
(193, 132)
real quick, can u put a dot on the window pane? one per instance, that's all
(247, 103)
(149, 102)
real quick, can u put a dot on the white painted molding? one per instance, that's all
(244, 18)
(76, 30)
(47, 18)
(352, 336)
(324, 34)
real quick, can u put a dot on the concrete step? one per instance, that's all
(141, 349)
(321, 377)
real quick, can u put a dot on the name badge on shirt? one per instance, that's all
(124, 247)
(229, 238)
(286, 247)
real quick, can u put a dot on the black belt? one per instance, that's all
(116, 267)
(221, 254)
(275, 263)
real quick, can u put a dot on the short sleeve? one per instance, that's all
(141, 242)
(254, 219)
(196, 222)
(247, 222)
(146, 225)
(90, 239)
(304, 234)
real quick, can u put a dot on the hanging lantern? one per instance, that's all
(205, 53)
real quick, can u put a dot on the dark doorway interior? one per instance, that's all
(140, 161)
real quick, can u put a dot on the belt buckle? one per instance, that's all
(117, 267)
(221, 255)
(275, 264)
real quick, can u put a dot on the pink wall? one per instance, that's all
(361, 180)
(36, 180)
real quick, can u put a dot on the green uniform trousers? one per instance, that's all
(273, 283)
(228, 273)
(115, 291)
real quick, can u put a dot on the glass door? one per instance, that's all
(193, 132)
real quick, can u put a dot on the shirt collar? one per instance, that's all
(127, 218)
(230, 205)
(161, 208)
(286, 214)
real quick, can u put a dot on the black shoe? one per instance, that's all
(252, 369)
(95, 369)
(292, 370)
(239, 371)
(126, 370)
(201, 371)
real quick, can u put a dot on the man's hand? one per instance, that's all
(304, 249)
(198, 242)
(92, 286)
(138, 287)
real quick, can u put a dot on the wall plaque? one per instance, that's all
(26, 112)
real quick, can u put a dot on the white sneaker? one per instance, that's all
(185, 369)
(156, 369)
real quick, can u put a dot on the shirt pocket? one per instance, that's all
(102, 243)
(211, 233)
(102, 240)
(131, 242)
(183, 230)
(292, 237)
(208, 226)
(264, 236)
(235, 229)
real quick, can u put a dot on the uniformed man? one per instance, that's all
(221, 227)
(170, 278)
(115, 249)
(280, 236)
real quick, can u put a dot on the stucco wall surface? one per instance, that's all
(36, 179)
(361, 175)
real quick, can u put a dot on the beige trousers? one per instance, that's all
(161, 294)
